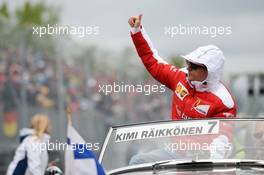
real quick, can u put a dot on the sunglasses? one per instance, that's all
(258, 135)
(194, 66)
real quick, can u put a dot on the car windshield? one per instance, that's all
(183, 140)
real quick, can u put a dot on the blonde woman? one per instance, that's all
(31, 156)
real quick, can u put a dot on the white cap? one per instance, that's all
(210, 56)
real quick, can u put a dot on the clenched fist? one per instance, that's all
(135, 21)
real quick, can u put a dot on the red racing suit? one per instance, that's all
(188, 102)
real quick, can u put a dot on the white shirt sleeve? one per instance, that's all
(135, 30)
(19, 155)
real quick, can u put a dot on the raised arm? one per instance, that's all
(162, 71)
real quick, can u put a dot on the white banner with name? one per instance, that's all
(167, 130)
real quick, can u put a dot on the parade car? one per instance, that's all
(213, 146)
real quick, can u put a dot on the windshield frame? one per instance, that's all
(214, 164)
(114, 128)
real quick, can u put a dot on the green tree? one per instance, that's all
(4, 11)
(16, 28)
(36, 14)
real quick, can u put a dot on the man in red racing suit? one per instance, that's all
(197, 90)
